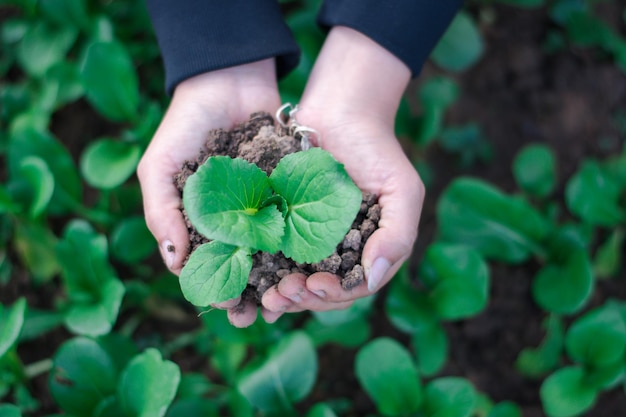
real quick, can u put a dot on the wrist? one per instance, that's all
(355, 76)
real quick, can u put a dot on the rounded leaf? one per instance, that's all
(10, 410)
(11, 324)
(322, 203)
(215, 272)
(41, 180)
(107, 163)
(449, 397)
(461, 46)
(97, 317)
(44, 45)
(505, 409)
(564, 394)
(408, 309)
(386, 371)
(534, 169)
(431, 349)
(131, 241)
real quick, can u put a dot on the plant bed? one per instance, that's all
(262, 142)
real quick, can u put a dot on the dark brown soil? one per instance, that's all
(262, 141)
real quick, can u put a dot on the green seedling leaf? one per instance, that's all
(468, 142)
(461, 45)
(386, 371)
(35, 246)
(7, 205)
(148, 385)
(359, 309)
(564, 287)
(82, 376)
(131, 241)
(605, 377)
(408, 309)
(449, 397)
(564, 393)
(593, 195)
(500, 227)
(505, 409)
(560, 10)
(43, 46)
(62, 12)
(431, 349)
(349, 334)
(223, 200)
(193, 407)
(41, 180)
(215, 272)
(436, 95)
(545, 358)
(585, 29)
(321, 410)
(97, 318)
(117, 98)
(457, 279)
(9, 410)
(608, 259)
(11, 321)
(534, 169)
(598, 338)
(108, 163)
(285, 377)
(323, 202)
(63, 85)
(39, 322)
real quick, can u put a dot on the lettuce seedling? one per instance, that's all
(304, 209)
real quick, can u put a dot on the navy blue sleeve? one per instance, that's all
(409, 29)
(197, 36)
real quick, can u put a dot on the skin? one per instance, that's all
(351, 98)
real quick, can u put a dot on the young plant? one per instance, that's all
(304, 209)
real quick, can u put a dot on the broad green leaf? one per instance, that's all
(28, 142)
(63, 85)
(439, 92)
(35, 246)
(96, 317)
(285, 377)
(11, 321)
(349, 334)
(41, 180)
(223, 201)
(534, 169)
(359, 309)
(461, 45)
(593, 194)
(10, 410)
(605, 377)
(457, 279)
(192, 385)
(188, 407)
(321, 410)
(110, 81)
(408, 309)
(585, 29)
(564, 394)
(467, 142)
(131, 241)
(431, 349)
(449, 397)
(386, 371)
(564, 287)
(63, 12)
(500, 227)
(505, 409)
(39, 322)
(535, 362)
(323, 202)
(598, 338)
(43, 46)
(82, 376)
(608, 259)
(215, 272)
(107, 163)
(148, 385)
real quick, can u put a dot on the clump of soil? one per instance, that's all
(263, 142)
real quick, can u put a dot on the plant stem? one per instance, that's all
(37, 368)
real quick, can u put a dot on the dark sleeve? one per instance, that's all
(409, 29)
(197, 36)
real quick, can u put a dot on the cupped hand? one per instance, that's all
(219, 99)
(351, 99)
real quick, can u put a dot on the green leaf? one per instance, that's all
(527, 4)
(564, 287)
(9, 410)
(467, 142)
(63, 12)
(505, 409)
(449, 397)
(386, 371)
(131, 241)
(457, 279)
(110, 81)
(107, 163)
(598, 338)
(35, 246)
(534, 169)
(215, 272)
(349, 334)
(461, 45)
(285, 377)
(41, 180)
(535, 362)
(63, 85)
(500, 227)
(606, 377)
(97, 317)
(193, 407)
(564, 394)
(39, 322)
(11, 324)
(431, 349)
(608, 259)
(408, 310)
(82, 376)
(43, 46)
(358, 310)
(593, 194)
(323, 202)
(585, 29)
(148, 385)
(439, 92)
(321, 410)
(223, 200)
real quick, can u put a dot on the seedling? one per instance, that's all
(304, 209)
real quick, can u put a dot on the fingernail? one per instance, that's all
(168, 251)
(319, 293)
(376, 274)
(296, 298)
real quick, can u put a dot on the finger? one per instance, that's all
(328, 288)
(274, 301)
(270, 316)
(243, 315)
(295, 287)
(234, 302)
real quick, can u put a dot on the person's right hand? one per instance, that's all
(218, 99)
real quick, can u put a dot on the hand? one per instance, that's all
(351, 99)
(218, 99)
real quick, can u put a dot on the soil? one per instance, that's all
(264, 142)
